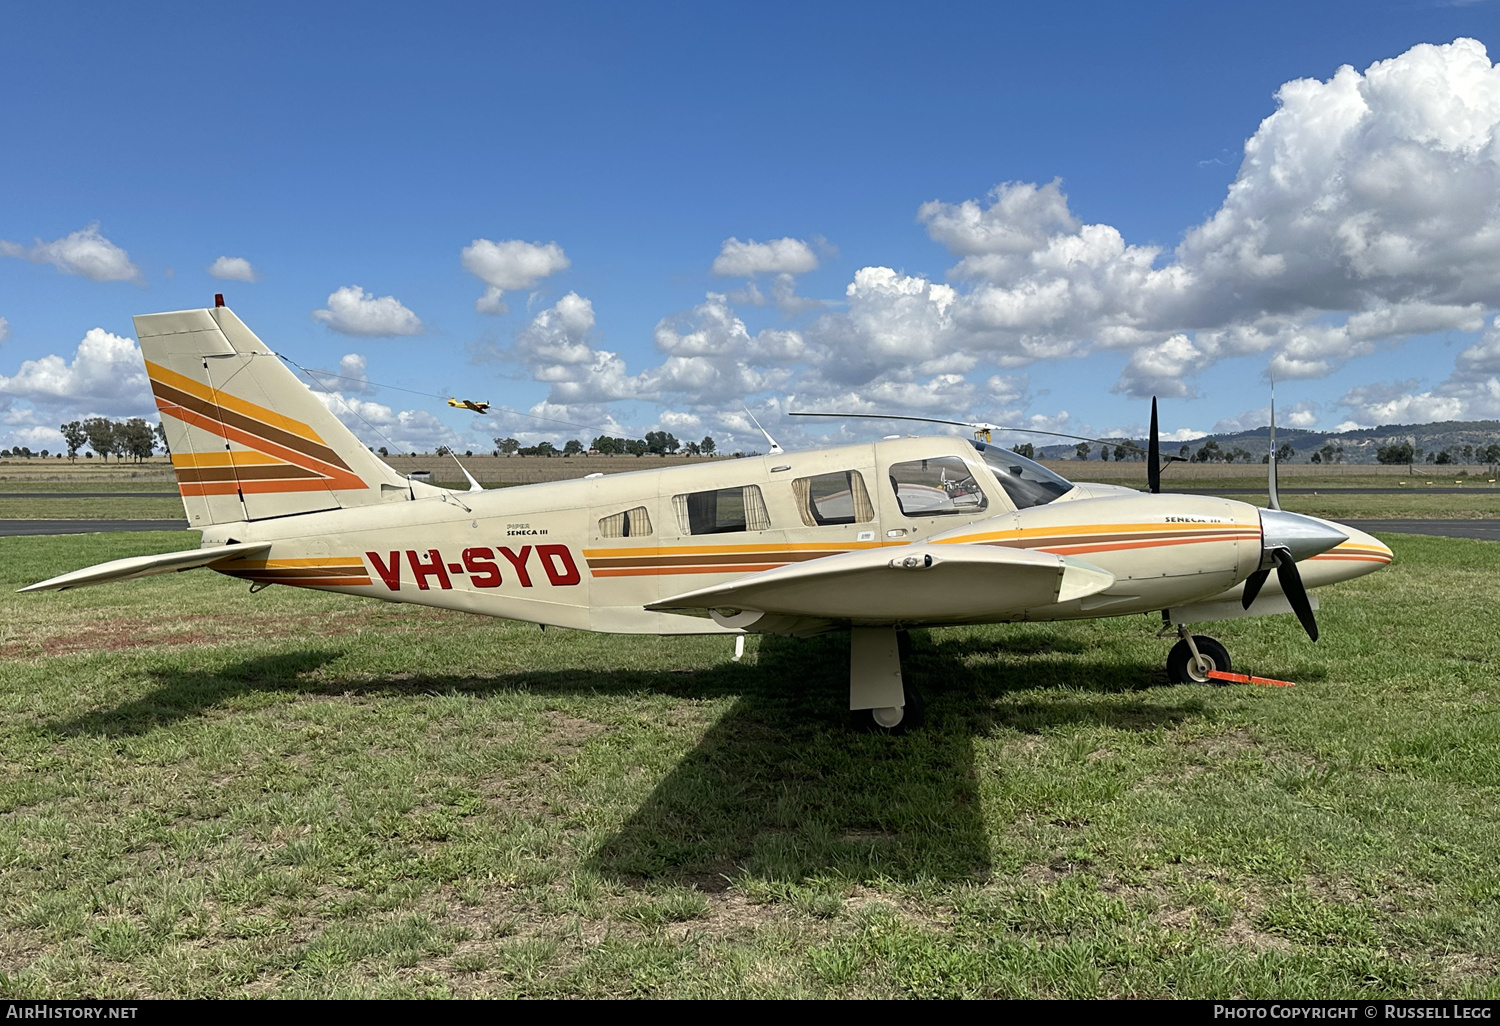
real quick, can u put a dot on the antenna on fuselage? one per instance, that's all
(776, 448)
(474, 486)
(1275, 499)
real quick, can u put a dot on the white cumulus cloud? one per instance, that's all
(106, 375)
(233, 269)
(509, 266)
(85, 253)
(4, 329)
(750, 258)
(352, 311)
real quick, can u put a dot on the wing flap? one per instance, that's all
(913, 584)
(144, 566)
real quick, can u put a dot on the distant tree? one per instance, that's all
(383, 451)
(1468, 452)
(468, 452)
(1104, 452)
(546, 449)
(573, 448)
(1120, 453)
(1081, 451)
(74, 436)
(1444, 457)
(1492, 453)
(1315, 458)
(507, 446)
(1430, 458)
(1239, 453)
(660, 443)
(707, 445)
(135, 438)
(692, 448)
(1183, 452)
(101, 435)
(635, 446)
(1024, 449)
(443, 450)
(44, 454)
(1209, 451)
(161, 438)
(1285, 452)
(1395, 453)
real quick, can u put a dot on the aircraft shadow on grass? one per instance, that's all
(780, 788)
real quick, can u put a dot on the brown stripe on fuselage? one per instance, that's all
(718, 559)
(286, 439)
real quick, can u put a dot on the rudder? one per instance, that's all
(248, 440)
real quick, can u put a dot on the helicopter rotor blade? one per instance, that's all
(974, 426)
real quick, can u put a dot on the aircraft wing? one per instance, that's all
(911, 584)
(144, 566)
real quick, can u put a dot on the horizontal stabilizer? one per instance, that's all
(909, 584)
(145, 566)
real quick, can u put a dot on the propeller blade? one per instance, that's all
(1253, 584)
(1153, 454)
(1295, 591)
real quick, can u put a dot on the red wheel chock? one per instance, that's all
(1241, 678)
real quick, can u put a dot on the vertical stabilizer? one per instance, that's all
(249, 441)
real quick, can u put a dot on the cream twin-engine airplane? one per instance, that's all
(872, 538)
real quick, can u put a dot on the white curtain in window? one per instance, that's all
(756, 517)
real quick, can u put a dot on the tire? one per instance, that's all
(912, 715)
(1180, 661)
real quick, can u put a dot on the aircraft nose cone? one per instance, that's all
(1304, 537)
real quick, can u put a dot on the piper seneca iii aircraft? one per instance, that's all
(872, 538)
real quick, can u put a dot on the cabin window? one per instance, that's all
(722, 511)
(1027, 483)
(936, 487)
(633, 523)
(838, 498)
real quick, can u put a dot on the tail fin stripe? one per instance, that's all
(252, 472)
(217, 397)
(277, 436)
(336, 477)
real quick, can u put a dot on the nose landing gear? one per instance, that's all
(1194, 657)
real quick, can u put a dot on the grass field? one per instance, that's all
(205, 792)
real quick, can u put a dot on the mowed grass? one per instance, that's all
(205, 792)
(1482, 504)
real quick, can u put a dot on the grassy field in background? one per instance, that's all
(205, 792)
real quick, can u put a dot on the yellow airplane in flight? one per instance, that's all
(874, 538)
(476, 405)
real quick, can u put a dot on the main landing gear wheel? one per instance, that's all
(893, 720)
(1182, 668)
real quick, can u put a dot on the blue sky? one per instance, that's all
(365, 147)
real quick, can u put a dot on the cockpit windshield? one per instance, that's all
(1026, 482)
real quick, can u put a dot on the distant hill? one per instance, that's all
(1358, 446)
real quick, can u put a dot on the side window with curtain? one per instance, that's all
(837, 498)
(722, 511)
(633, 523)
